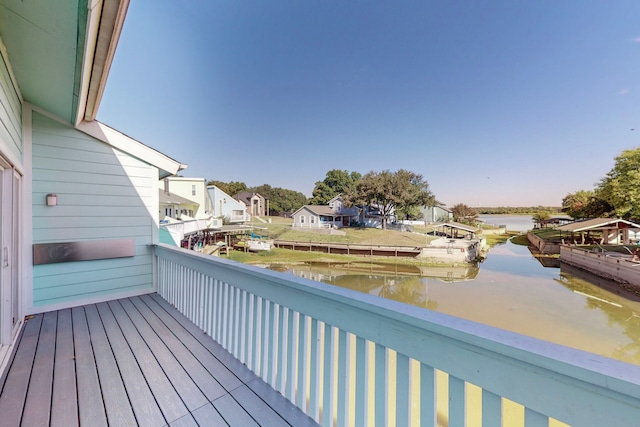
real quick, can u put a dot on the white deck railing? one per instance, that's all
(347, 358)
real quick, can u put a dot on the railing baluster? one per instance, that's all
(303, 357)
(218, 311)
(224, 304)
(327, 382)
(245, 309)
(314, 374)
(257, 337)
(491, 409)
(456, 402)
(272, 365)
(282, 350)
(291, 355)
(381, 409)
(361, 383)
(534, 419)
(201, 301)
(236, 322)
(209, 304)
(343, 372)
(427, 396)
(267, 339)
(403, 402)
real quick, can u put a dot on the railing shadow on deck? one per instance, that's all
(347, 358)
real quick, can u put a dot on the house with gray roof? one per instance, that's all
(313, 216)
(257, 204)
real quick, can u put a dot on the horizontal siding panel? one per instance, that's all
(49, 175)
(57, 135)
(44, 163)
(70, 235)
(77, 188)
(93, 200)
(91, 289)
(10, 112)
(8, 123)
(143, 257)
(13, 105)
(89, 221)
(83, 277)
(112, 157)
(81, 211)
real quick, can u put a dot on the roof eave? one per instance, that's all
(166, 165)
(104, 26)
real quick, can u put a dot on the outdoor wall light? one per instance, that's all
(52, 200)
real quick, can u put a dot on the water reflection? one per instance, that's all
(511, 290)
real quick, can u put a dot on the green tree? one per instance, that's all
(585, 204)
(336, 182)
(231, 188)
(390, 192)
(464, 214)
(619, 188)
(541, 216)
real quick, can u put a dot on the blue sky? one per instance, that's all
(495, 103)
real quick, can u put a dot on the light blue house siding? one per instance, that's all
(10, 115)
(226, 206)
(102, 194)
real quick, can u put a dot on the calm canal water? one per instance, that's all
(510, 290)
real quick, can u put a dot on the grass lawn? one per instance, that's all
(280, 229)
(288, 256)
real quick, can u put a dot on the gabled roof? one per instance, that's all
(319, 210)
(248, 195)
(597, 224)
(459, 226)
(166, 165)
(174, 199)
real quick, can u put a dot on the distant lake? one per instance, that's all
(512, 222)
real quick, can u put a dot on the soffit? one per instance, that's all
(45, 42)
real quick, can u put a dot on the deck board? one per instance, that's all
(14, 391)
(168, 399)
(135, 361)
(208, 416)
(202, 378)
(114, 395)
(189, 392)
(90, 404)
(143, 403)
(64, 401)
(41, 374)
(222, 374)
(234, 365)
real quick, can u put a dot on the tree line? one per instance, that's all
(402, 192)
(281, 200)
(616, 195)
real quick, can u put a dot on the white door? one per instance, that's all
(10, 182)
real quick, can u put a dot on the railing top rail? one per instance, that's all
(415, 332)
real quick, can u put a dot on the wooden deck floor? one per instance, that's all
(135, 361)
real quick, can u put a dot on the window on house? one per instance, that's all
(193, 190)
(301, 219)
(312, 219)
